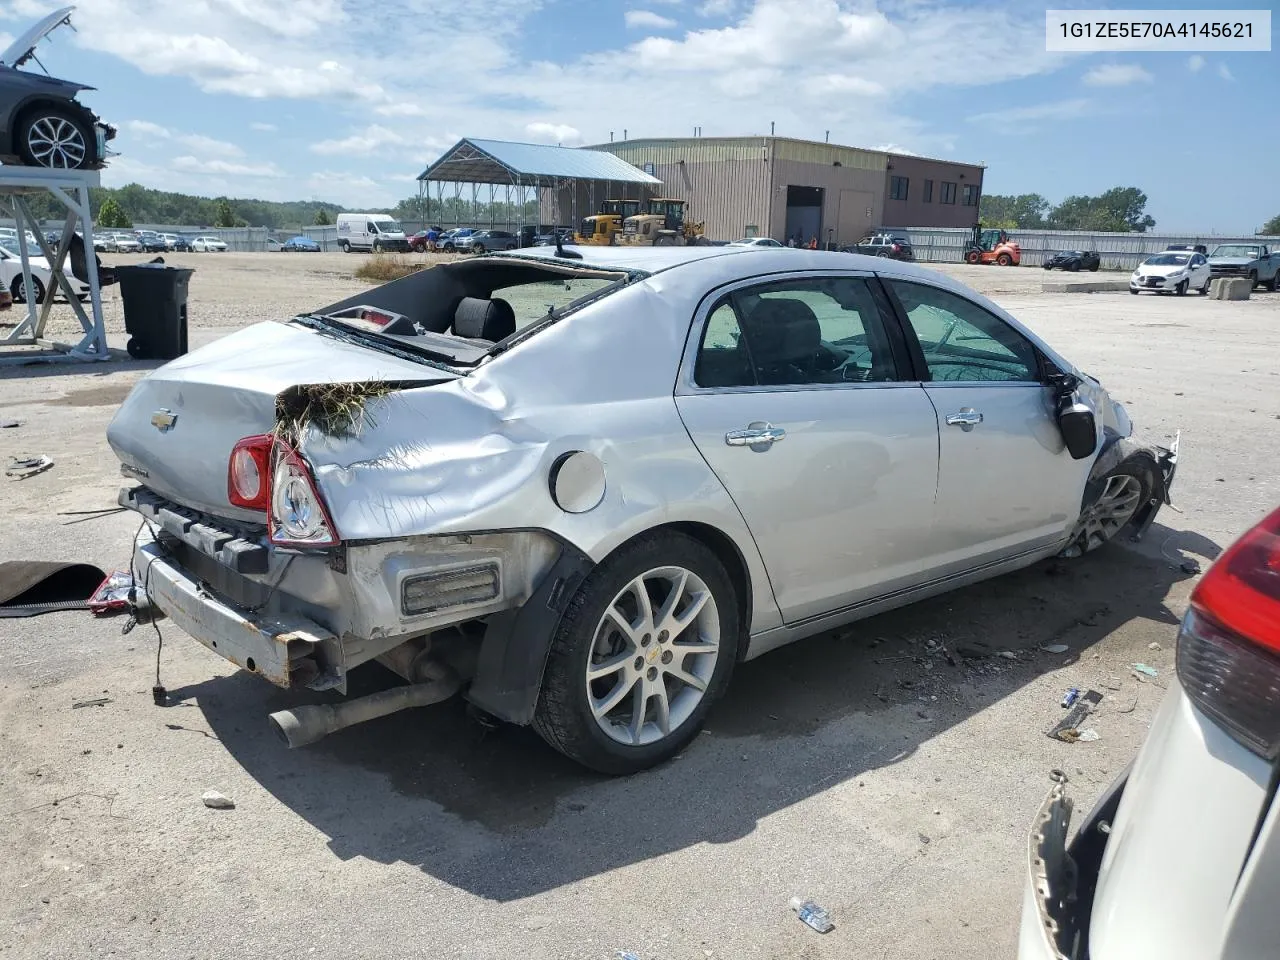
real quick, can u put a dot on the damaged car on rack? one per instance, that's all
(579, 487)
(42, 123)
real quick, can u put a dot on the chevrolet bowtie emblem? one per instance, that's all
(163, 420)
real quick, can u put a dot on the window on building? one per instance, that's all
(969, 197)
(928, 191)
(948, 192)
(648, 168)
(898, 188)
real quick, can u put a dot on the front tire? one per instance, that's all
(1253, 280)
(1123, 493)
(645, 647)
(18, 293)
(56, 139)
(973, 258)
(1004, 260)
(1074, 266)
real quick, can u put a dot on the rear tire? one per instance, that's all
(1004, 260)
(1274, 283)
(637, 711)
(346, 247)
(1181, 289)
(1204, 291)
(1094, 268)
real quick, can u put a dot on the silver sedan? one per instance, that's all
(580, 486)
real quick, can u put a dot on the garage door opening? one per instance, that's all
(804, 214)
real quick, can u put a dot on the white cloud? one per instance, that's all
(1225, 72)
(263, 127)
(373, 139)
(640, 19)
(1022, 119)
(716, 8)
(146, 128)
(1116, 75)
(553, 133)
(189, 164)
(196, 141)
(894, 148)
(1195, 63)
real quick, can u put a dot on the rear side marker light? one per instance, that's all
(1229, 645)
(297, 517)
(449, 588)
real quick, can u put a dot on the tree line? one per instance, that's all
(1118, 210)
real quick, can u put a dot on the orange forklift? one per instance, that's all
(992, 246)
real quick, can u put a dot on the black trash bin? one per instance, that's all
(155, 309)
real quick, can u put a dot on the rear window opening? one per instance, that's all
(459, 314)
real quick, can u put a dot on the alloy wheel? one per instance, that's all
(56, 142)
(653, 655)
(1114, 508)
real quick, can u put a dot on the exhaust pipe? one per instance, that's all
(305, 725)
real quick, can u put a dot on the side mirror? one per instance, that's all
(1078, 430)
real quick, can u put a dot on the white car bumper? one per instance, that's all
(1171, 873)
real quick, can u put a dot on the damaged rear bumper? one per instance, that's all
(287, 650)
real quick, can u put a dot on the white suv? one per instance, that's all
(1180, 859)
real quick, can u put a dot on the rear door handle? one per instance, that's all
(966, 419)
(763, 434)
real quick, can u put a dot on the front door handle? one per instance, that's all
(757, 434)
(966, 419)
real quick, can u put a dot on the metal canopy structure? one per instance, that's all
(71, 188)
(522, 167)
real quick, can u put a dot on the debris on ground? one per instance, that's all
(1070, 697)
(1112, 683)
(1146, 671)
(1190, 566)
(217, 801)
(22, 468)
(112, 594)
(812, 915)
(97, 702)
(1007, 654)
(625, 955)
(1068, 728)
(9, 424)
(1089, 735)
(1056, 648)
(1154, 645)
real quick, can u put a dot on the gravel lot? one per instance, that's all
(858, 769)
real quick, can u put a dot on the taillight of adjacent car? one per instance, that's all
(1229, 645)
(265, 473)
(897, 248)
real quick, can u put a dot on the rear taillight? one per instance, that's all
(1229, 645)
(297, 515)
(247, 473)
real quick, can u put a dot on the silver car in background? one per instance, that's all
(581, 486)
(1180, 859)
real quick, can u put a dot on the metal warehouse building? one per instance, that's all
(780, 187)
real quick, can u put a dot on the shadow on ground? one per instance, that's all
(501, 815)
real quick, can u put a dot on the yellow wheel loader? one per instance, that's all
(662, 223)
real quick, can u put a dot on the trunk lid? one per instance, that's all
(176, 429)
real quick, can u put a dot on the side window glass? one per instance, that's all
(814, 331)
(962, 341)
(723, 360)
(370, 227)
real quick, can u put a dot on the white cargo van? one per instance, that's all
(370, 231)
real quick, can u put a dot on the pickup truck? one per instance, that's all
(1253, 260)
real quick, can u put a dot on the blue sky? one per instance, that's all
(348, 101)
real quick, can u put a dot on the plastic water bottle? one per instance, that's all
(812, 915)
